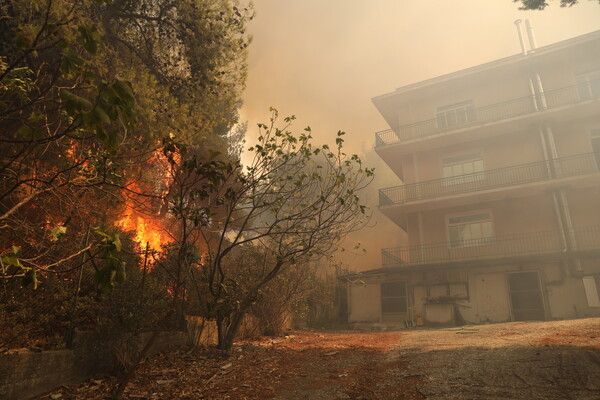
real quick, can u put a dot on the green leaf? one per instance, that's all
(90, 38)
(74, 104)
(57, 232)
(70, 62)
(11, 260)
(29, 133)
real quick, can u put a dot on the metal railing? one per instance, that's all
(538, 243)
(495, 112)
(539, 171)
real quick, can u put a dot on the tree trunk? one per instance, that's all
(229, 331)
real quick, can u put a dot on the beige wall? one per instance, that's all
(492, 86)
(497, 152)
(365, 303)
(509, 217)
(572, 137)
(483, 89)
(584, 206)
(488, 294)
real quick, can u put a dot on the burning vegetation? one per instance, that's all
(124, 206)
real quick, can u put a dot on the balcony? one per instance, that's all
(579, 165)
(500, 249)
(549, 100)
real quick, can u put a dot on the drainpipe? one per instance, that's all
(532, 46)
(530, 36)
(533, 96)
(561, 202)
(421, 236)
(540, 90)
(521, 40)
(550, 170)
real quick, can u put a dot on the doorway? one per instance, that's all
(526, 296)
(595, 142)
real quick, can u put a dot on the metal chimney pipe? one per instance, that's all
(521, 39)
(530, 35)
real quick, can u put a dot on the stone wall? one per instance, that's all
(24, 373)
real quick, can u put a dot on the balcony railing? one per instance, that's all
(581, 164)
(492, 113)
(539, 243)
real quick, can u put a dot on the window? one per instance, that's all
(470, 230)
(393, 297)
(588, 84)
(453, 169)
(590, 285)
(456, 114)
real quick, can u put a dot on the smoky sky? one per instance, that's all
(323, 61)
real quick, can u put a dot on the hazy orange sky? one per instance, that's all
(323, 61)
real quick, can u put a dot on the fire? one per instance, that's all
(148, 230)
(149, 226)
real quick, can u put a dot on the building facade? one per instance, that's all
(501, 194)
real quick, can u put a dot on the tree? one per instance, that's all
(292, 203)
(80, 143)
(62, 121)
(78, 137)
(541, 4)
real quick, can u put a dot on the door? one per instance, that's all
(595, 141)
(394, 301)
(526, 296)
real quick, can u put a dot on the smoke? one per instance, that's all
(323, 61)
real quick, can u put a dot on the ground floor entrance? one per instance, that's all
(527, 302)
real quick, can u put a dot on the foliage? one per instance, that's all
(289, 297)
(541, 4)
(79, 140)
(45, 318)
(293, 203)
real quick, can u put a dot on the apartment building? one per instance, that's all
(501, 195)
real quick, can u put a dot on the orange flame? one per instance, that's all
(149, 229)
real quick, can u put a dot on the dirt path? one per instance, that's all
(546, 360)
(551, 360)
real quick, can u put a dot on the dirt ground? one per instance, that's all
(541, 360)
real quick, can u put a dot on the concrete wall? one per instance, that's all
(509, 217)
(523, 147)
(365, 302)
(487, 87)
(24, 374)
(491, 88)
(487, 297)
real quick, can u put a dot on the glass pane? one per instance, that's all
(468, 168)
(476, 231)
(441, 119)
(454, 237)
(468, 218)
(486, 230)
(464, 232)
(478, 165)
(461, 116)
(447, 171)
(451, 117)
(457, 170)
